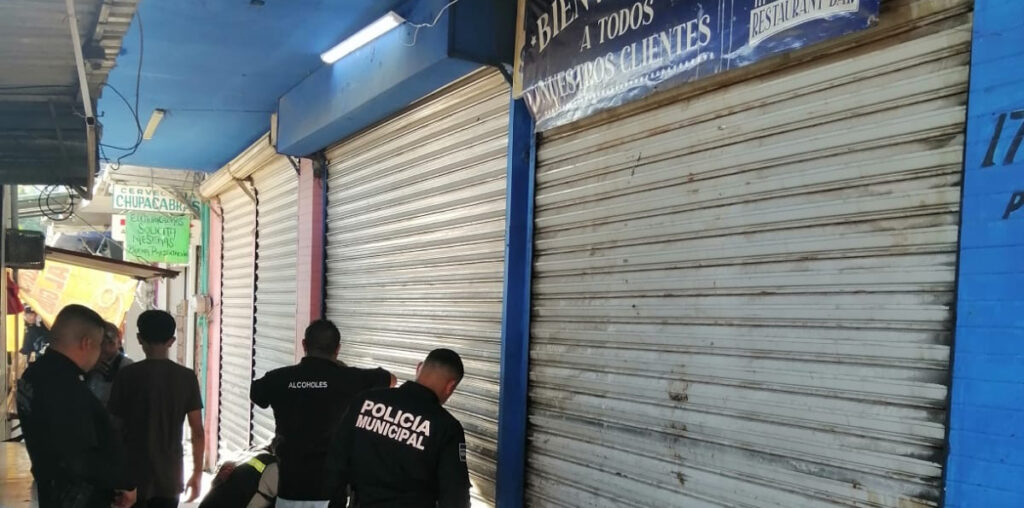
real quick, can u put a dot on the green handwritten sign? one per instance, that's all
(156, 238)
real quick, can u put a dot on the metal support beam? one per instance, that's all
(15, 224)
(515, 320)
(320, 173)
(242, 184)
(294, 161)
(83, 85)
(203, 322)
(5, 200)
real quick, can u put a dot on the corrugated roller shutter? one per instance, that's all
(276, 255)
(744, 298)
(415, 246)
(236, 321)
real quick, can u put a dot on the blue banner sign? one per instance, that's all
(577, 57)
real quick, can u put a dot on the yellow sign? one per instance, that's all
(13, 323)
(58, 285)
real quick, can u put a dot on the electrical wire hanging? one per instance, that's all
(135, 116)
(51, 208)
(129, 151)
(432, 24)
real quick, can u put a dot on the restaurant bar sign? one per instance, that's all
(577, 57)
(150, 199)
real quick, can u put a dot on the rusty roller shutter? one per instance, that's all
(743, 297)
(236, 321)
(415, 247)
(276, 257)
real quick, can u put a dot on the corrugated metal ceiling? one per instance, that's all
(42, 132)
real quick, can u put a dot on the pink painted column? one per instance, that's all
(309, 268)
(214, 253)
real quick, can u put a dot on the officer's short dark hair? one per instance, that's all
(156, 327)
(448, 360)
(322, 337)
(76, 315)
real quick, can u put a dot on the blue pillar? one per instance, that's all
(515, 320)
(986, 431)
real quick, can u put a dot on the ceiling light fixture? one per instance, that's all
(383, 25)
(154, 121)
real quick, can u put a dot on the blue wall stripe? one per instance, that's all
(515, 320)
(986, 434)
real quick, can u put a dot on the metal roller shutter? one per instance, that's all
(743, 298)
(415, 247)
(236, 321)
(276, 255)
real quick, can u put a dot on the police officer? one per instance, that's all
(249, 483)
(77, 459)
(399, 448)
(308, 400)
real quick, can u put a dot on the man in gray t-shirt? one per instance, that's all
(151, 400)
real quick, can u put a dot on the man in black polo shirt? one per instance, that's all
(308, 400)
(77, 459)
(400, 448)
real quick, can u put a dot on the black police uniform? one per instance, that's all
(399, 448)
(308, 401)
(77, 459)
(242, 484)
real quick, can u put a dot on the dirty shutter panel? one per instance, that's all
(744, 298)
(276, 256)
(416, 222)
(236, 321)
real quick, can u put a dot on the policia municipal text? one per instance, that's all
(394, 447)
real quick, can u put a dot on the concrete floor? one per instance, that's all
(16, 478)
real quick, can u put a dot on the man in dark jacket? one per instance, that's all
(308, 401)
(77, 460)
(400, 448)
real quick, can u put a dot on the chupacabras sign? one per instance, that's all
(577, 57)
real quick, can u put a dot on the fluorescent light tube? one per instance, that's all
(154, 121)
(385, 24)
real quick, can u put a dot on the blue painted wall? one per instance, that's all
(218, 68)
(365, 86)
(395, 70)
(986, 458)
